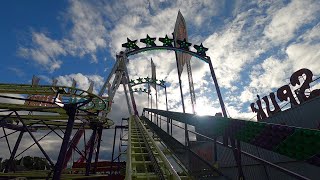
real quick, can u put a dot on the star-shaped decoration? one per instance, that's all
(201, 50)
(130, 44)
(148, 41)
(132, 81)
(154, 81)
(162, 82)
(184, 44)
(147, 79)
(166, 41)
(139, 80)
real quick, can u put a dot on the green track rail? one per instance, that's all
(40, 121)
(140, 153)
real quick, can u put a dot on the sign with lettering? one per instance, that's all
(33, 100)
(285, 93)
(43, 101)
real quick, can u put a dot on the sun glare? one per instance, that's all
(203, 110)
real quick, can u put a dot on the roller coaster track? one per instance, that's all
(197, 167)
(145, 160)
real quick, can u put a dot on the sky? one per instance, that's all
(254, 46)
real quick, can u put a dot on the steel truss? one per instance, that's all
(58, 112)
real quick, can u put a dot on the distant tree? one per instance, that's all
(3, 164)
(0, 164)
(39, 163)
(27, 162)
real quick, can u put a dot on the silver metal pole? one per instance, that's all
(127, 98)
(148, 94)
(224, 112)
(115, 66)
(157, 105)
(165, 92)
(182, 100)
(134, 106)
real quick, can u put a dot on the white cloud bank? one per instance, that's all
(289, 19)
(254, 48)
(82, 81)
(44, 51)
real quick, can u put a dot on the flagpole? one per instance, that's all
(165, 91)
(148, 94)
(154, 84)
(214, 78)
(157, 103)
(181, 93)
(151, 107)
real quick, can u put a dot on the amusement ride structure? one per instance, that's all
(225, 148)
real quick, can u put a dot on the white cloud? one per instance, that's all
(83, 81)
(246, 62)
(235, 46)
(138, 18)
(88, 32)
(304, 55)
(238, 113)
(11, 101)
(273, 73)
(312, 35)
(44, 51)
(233, 50)
(87, 35)
(289, 19)
(44, 78)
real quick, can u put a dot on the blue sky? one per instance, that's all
(255, 45)
(23, 22)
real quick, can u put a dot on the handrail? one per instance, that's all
(128, 164)
(284, 170)
(174, 174)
